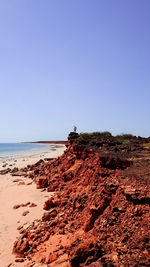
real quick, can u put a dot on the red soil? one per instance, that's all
(99, 214)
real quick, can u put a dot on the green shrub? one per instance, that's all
(106, 133)
(146, 144)
(125, 142)
(125, 136)
(100, 134)
(84, 135)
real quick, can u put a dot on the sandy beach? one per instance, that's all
(20, 191)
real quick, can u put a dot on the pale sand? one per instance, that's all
(11, 194)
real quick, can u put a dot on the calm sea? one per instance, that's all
(13, 149)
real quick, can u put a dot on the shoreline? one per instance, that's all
(20, 191)
(46, 142)
(31, 158)
(36, 149)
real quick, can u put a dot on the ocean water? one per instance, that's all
(18, 149)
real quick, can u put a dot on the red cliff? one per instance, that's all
(99, 214)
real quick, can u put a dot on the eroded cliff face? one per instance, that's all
(99, 214)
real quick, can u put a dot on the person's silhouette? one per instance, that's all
(75, 128)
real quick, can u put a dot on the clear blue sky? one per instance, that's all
(73, 62)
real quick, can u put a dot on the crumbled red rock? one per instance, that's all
(32, 205)
(19, 260)
(25, 204)
(99, 214)
(25, 213)
(17, 206)
(21, 205)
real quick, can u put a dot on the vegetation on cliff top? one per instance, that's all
(99, 134)
(106, 134)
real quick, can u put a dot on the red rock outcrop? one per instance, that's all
(99, 214)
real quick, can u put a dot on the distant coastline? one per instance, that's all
(47, 142)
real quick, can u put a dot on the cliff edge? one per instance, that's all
(99, 213)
